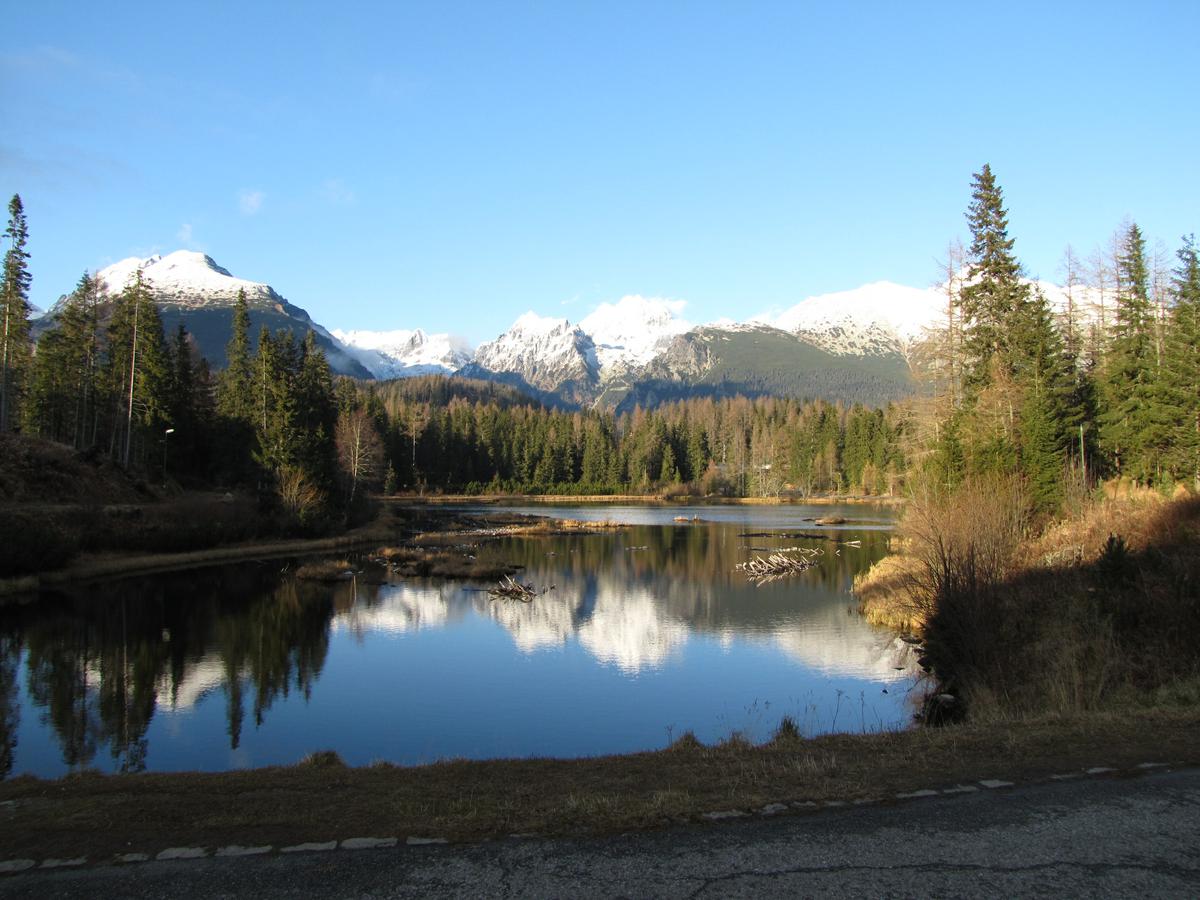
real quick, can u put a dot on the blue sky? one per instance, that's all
(449, 166)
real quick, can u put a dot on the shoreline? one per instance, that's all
(101, 566)
(649, 499)
(92, 567)
(101, 817)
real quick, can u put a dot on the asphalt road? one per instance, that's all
(1094, 837)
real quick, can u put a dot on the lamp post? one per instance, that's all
(169, 431)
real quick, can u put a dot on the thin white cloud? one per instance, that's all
(250, 202)
(335, 191)
(184, 234)
(55, 62)
(40, 59)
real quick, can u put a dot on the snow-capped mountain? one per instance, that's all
(190, 287)
(547, 354)
(401, 353)
(631, 332)
(872, 320)
(575, 362)
(850, 345)
(188, 278)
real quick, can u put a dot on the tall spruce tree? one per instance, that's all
(80, 324)
(138, 372)
(1179, 391)
(235, 398)
(1127, 417)
(15, 348)
(993, 292)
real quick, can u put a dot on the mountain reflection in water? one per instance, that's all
(645, 631)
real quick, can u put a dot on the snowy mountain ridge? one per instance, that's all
(612, 349)
(403, 353)
(190, 278)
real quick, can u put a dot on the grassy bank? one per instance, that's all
(101, 816)
(1098, 611)
(668, 499)
(387, 526)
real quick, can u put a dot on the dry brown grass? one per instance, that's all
(1099, 611)
(983, 522)
(99, 816)
(1141, 518)
(325, 570)
(889, 593)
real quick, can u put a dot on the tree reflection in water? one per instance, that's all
(98, 661)
(101, 659)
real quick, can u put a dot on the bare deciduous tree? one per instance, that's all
(360, 451)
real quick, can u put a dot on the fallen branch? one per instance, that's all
(778, 565)
(513, 589)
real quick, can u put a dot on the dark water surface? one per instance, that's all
(647, 633)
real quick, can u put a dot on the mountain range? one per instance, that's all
(851, 346)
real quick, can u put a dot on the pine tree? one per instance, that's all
(80, 324)
(1041, 451)
(1128, 410)
(138, 374)
(1179, 386)
(15, 349)
(317, 412)
(234, 395)
(60, 402)
(994, 290)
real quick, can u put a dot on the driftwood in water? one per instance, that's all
(510, 587)
(778, 565)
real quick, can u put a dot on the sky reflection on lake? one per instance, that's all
(646, 633)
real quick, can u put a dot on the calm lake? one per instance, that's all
(647, 633)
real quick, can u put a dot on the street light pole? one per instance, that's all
(169, 431)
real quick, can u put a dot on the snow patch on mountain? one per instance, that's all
(402, 353)
(546, 352)
(874, 319)
(632, 331)
(189, 278)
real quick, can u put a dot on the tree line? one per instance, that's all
(736, 446)
(107, 381)
(1055, 395)
(1016, 386)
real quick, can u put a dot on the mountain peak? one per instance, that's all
(399, 353)
(189, 277)
(190, 261)
(633, 330)
(531, 323)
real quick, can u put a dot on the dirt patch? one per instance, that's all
(100, 816)
(33, 470)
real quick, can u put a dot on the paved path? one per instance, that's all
(1095, 837)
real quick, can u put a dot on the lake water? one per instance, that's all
(647, 633)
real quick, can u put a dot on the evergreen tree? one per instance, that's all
(1179, 386)
(47, 406)
(993, 292)
(61, 399)
(1041, 452)
(15, 350)
(137, 372)
(1126, 422)
(234, 395)
(317, 412)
